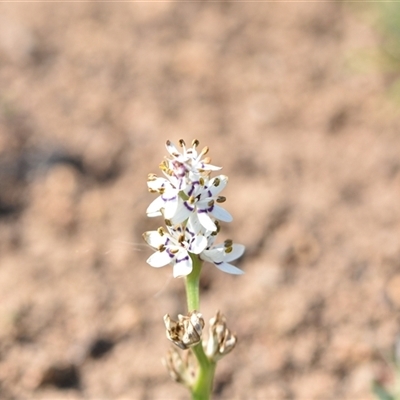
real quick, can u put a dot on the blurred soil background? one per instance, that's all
(295, 102)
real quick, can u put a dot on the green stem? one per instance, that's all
(202, 388)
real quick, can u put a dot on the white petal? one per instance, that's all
(208, 167)
(182, 213)
(216, 254)
(223, 180)
(183, 264)
(194, 224)
(221, 214)
(206, 221)
(158, 183)
(172, 149)
(199, 244)
(154, 239)
(229, 268)
(237, 251)
(153, 210)
(170, 208)
(159, 259)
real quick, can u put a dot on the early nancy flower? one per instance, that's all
(221, 255)
(174, 247)
(189, 201)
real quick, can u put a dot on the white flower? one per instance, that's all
(221, 255)
(174, 248)
(189, 162)
(169, 199)
(201, 204)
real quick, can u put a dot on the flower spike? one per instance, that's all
(189, 201)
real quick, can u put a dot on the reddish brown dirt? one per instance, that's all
(89, 94)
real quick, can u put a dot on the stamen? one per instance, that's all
(168, 222)
(181, 238)
(228, 243)
(207, 160)
(151, 177)
(195, 143)
(174, 251)
(191, 200)
(161, 231)
(161, 248)
(228, 250)
(217, 181)
(201, 181)
(205, 151)
(182, 142)
(210, 203)
(221, 199)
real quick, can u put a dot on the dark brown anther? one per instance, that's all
(161, 247)
(217, 181)
(210, 203)
(228, 243)
(191, 200)
(182, 142)
(228, 250)
(221, 199)
(168, 222)
(161, 231)
(181, 238)
(195, 143)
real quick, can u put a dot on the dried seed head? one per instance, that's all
(220, 339)
(181, 368)
(186, 331)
